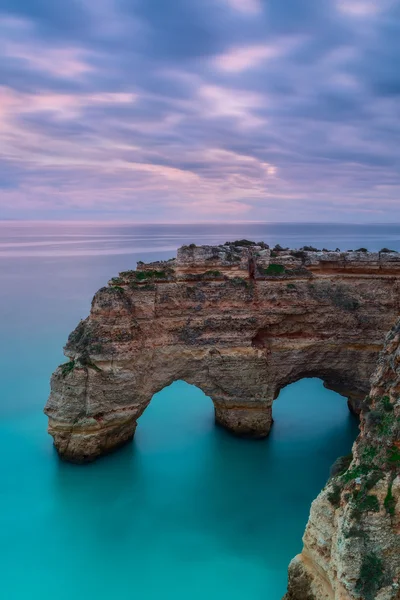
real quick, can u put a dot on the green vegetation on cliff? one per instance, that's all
(272, 269)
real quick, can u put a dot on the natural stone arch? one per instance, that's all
(100, 407)
(239, 336)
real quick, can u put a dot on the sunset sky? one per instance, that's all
(200, 110)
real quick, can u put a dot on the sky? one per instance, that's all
(200, 110)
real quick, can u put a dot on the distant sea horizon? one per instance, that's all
(186, 510)
(122, 221)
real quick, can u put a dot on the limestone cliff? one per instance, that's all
(352, 540)
(239, 321)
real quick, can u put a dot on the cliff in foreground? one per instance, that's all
(352, 540)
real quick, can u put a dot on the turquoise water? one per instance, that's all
(186, 511)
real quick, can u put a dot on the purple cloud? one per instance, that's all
(200, 110)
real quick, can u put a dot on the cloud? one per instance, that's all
(200, 109)
(362, 8)
(247, 7)
(243, 58)
(237, 104)
(58, 62)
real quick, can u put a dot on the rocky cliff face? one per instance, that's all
(239, 321)
(352, 540)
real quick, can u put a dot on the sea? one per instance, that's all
(187, 511)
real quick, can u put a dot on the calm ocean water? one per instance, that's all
(186, 511)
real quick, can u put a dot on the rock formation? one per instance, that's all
(239, 321)
(352, 540)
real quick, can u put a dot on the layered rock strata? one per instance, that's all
(239, 321)
(352, 540)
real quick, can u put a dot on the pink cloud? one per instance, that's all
(241, 59)
(250, 7)
(219, 101)
(14, 103)
(363, 8)
(59, 62)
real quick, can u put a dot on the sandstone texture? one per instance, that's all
(239, 321)
(352, 540)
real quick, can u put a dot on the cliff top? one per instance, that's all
(256, 260)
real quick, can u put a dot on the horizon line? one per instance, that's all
(128, 222)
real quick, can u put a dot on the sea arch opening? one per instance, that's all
(308, 406)
(176, 413)
(331, 379)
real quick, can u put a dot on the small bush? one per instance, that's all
(213, 273)
(116, 281)
(334, 495)
(141, 275)
(363, 502)
(386, 250)
(355, 472)
(356, 531)
(128, 274)
(369, 454)
(273, 269)
(291, 286)
(387, 405)
(241, 243)
(67, 367)
(390, 502)
(370, 577)
(386, 425)
(309, 249)
(372, 478)
(373, 418)
(393, 456)
(361, 250)
(341, 465)
(299, 254)
(239, 281)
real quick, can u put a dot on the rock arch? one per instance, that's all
(240, 334)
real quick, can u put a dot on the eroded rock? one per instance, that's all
(238, 320)
(352, 540)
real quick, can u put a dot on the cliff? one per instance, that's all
(238, 320)
(352, 542)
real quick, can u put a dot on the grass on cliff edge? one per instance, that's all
(273, 269)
